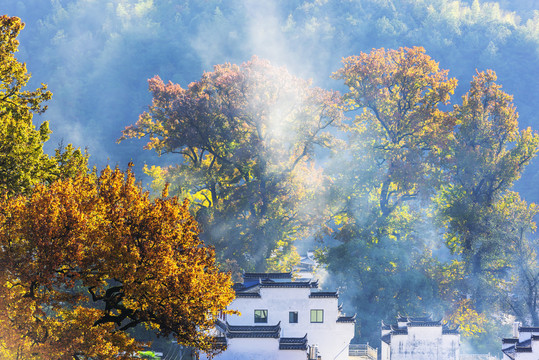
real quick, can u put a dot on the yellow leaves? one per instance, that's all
(470, 322)
(283, 258)
(101, 238)
(341, 219)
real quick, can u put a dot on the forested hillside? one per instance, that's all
(397, 137)
(102, 52)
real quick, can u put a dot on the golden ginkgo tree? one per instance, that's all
(87, 258)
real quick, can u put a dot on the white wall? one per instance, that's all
(425, 343)
(257, 349)
(385, 351)
(331, 337)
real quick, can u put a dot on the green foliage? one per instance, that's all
(518, 292)
(22, 161)
(23, 164)
(148, 355)
(485, 157)
(412, 165)
(400, 93)
(385, 274)
(392, 165)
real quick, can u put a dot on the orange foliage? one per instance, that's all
(402, 94)
(85, 259)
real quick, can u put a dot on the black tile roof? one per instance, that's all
(424, 323)
(400, 332)
(247, 295)
(253, 286)
(401, 318)
(518, 347)
(291, 284)
(324, 294)
(293, 343)
(255, 275)
(256, 328)
(405, 318)
(346, 319)
(249, 331)
(528, 329)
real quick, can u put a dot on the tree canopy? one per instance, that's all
(246, 136)
(23, 163)
(417, 168)
(413, 208)
(87, 258)
(486, 156)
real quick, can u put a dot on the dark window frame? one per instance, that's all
(293, 317)
(261, 316)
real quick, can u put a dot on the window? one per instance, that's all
(317, 316)
(261, 316)
(293, 317)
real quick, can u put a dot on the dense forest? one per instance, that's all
(395, 138)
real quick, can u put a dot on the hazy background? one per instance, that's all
(97, 55)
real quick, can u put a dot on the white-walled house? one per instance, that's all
(306, 267)
(419, 339)
(284, 319)
(524, 345)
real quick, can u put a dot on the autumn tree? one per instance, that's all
(399, 94)
(385, 177)
(245, 136)
(408, 147)
(89, 257)
(487, 154)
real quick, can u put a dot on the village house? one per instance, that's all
(419, 339)
(287, 320)
(524, 345)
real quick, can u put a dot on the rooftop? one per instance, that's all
(409, 322)
(254, 275)
(248, 331)
(252, 282)
(528, 329)
(324, 294)
(288, 343)
(346, 319)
